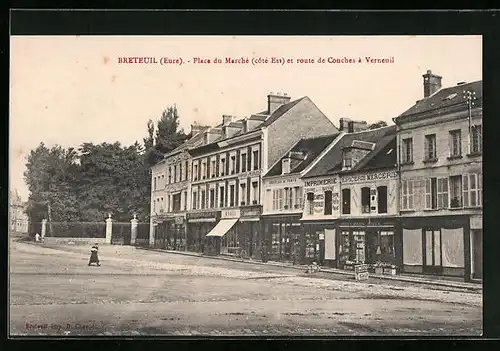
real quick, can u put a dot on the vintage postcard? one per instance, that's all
(246, 186)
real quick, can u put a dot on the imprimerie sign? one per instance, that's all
(358, 178)
(317, 182)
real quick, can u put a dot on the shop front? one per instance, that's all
(284, 238)
(249, 225)
(476, 240)
(317, 243)
(437, 245)
(176, 237)
(371, 241)
(199, 224)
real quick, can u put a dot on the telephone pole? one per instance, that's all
(469, 96)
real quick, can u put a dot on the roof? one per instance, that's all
(383, 155)
(311, 147)
(280, 111)
(331, 163)
(447, 97)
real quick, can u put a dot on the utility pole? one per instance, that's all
(469, 96)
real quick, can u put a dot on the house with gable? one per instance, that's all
(332, 206)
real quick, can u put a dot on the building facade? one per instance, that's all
(19, 222)
(440, 147)
(283, 200)
(227, 171)
(336, 215)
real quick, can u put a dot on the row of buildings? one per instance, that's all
(287, 184)
(19, 222)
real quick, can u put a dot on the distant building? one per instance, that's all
(19, 222)
(440, 157)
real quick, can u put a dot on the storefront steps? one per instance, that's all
(425, 280)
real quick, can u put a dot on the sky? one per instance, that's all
(68, 90)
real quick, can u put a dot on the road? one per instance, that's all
(139, 292)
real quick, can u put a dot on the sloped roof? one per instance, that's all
(280, 111)
(447, 97)
(383, 155)
(311, 147)
(331, 163)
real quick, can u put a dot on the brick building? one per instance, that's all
(440, 146)
(227, 169)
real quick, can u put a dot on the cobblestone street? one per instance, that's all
(138, 292)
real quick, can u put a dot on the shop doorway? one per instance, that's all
(372, 244)
(477, 254)
(432, 252)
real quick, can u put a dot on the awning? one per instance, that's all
(222, 227)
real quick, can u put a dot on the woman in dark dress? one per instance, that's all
(94, 258)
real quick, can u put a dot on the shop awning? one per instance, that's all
(222, 227)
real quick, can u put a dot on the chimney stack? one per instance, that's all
(226, 119)
(347, 125)
(432, 83)
(197, 128)
(276, 100)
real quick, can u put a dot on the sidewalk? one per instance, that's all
(439, 281)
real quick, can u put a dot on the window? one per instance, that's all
(185, 200)
(176, 202)
(298, 197)
(407, 194)
(231, 195)
(407, 152)
(243, 194)
(289, 198)
(431, 194)
(221, 198)
(365, 200)
(430, 147)
(186, 170)
(203, 170)
(346, 201)
(180, 172)
(476, 139)
(455, 143)
(233, 164)
(212, 198)
(472, 190)
(243, 163)
(275, 199)
(255, 193)
(202, 199)
(255, 160)
(328, 203)
(222, 167)
(442, 192)
(382, 199)
(195, 172)
(285, 166)
(310, 203)
(175, 173)
(154, 183)
(213, 168)
(456, 191)
(195, 200)
(347, 161)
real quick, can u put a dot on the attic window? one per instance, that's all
(451, 96)
(389, 152)
(285, 166)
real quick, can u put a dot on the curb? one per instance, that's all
(327, 270)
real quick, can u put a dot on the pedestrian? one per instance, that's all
(94, 258)
(37, 237)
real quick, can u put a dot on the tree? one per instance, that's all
(378, 124)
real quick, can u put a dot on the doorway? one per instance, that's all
(477, 253)
(432, 252)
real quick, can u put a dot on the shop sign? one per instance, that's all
(250, 212)
(361, 272)
(204, 214)
(281, 181)
(234, 213)
(320, 182)
(250, 174)
(369, 177)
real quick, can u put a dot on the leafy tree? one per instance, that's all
(378, 124)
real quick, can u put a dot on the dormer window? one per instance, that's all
(347, 162)
(285, 166)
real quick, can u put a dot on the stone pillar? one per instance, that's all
(152, 231)
(133, 230)
(109, 229)
(44, 228)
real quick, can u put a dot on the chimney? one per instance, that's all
(344, 124)
(197, 128)
(347, 125)
(226, 119)
(276, 100)
(432, 83)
